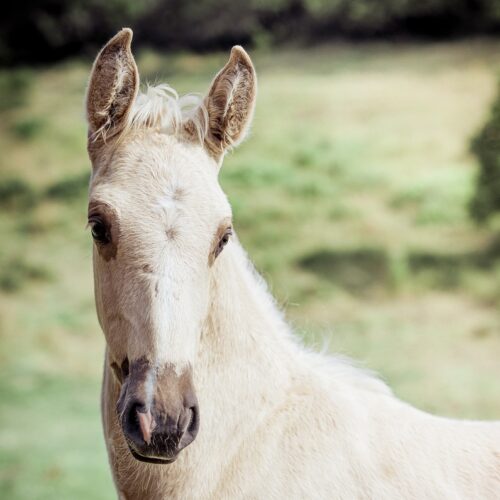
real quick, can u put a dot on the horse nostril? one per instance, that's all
(194, 423)
(191, 429)
(131, 423)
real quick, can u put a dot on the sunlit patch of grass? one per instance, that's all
(264, 173)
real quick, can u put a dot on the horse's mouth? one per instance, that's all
(151, 460)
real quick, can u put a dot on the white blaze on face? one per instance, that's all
(176, 316)
(168, 202)
(179, 290)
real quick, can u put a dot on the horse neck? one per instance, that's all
(246, 347)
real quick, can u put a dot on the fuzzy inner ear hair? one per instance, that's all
(113, 87)
(230, 103)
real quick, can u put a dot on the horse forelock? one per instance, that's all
(161, 107)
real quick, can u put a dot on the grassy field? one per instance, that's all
(350, 196)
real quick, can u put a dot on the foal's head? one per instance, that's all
(159, 220)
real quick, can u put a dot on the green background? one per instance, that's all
(350, 195)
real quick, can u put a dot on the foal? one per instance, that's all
(197, 352)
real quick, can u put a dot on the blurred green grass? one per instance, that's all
(350, 196)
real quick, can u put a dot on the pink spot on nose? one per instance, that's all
(147, 425)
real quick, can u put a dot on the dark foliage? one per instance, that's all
(358, 270)
(48, 30)
(486, 146)
(17, 272)
(14, 87)
(70, 188)
(16, 194)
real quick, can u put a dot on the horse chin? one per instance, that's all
(152, 460)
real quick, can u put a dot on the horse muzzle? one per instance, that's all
(158, 412)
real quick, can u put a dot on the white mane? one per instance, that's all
(161, 107)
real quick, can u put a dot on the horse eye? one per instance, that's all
(223, 241)
(99, 231)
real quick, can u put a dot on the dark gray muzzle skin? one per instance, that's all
(157, 410)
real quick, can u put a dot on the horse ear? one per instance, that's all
(113, 86)
(230, 103)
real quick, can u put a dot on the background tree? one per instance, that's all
(48, 30)
(485, 202)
